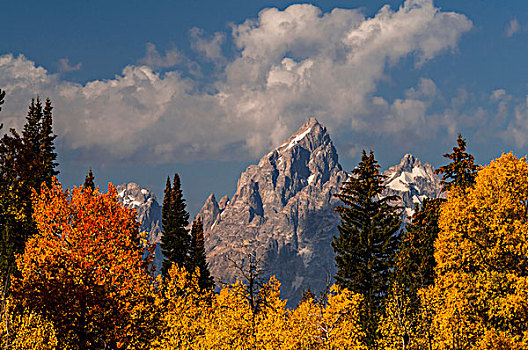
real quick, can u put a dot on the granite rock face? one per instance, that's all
(283, 212)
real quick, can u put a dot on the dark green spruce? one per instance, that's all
(368, 238)
(26, 162)
(461, 171)
(89, 180)
(175, 241)
(197, 258)
(416, 260)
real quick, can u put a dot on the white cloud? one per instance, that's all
(513, 27)
(291, 64)
(212, 48)
(66, 67)
(172, 58)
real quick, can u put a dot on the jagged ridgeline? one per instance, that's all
(283, 211)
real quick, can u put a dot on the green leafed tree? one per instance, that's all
(175, 241)
(368, 237)
(197, 257)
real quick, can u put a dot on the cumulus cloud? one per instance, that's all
(210, 48)
(291, 64)
(513, 27)
(172, 58)
(66, 67)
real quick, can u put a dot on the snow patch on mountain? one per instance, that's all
(412, 182)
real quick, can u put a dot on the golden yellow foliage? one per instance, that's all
(26, 330)
(481, 289)
(194, 320)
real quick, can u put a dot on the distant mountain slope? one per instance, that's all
(148, 212)
(412, 182)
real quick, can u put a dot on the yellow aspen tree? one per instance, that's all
(341, 327)
(481, 288)
(271, 318)
(26, 330)
(184, 308)
(302, 325)
(230, 324)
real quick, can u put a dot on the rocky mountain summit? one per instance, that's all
(148, 209)
(282, 211)
(412, 182)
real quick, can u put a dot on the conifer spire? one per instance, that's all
(368, 238)
(89, 180)
(175, 240)
(197, 257)
(461, 171)
(47, 148)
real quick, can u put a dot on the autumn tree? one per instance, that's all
(24, 329)
(175, 240)
(83, 270)
(197, 258)
(184, 310)
(368, 237)
(481, 284)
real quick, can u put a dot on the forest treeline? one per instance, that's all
(76, 272)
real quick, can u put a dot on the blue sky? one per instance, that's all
(143, 89)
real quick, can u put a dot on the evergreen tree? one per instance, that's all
(368, 237)
(175, 240)
(25, 163)
(415, 259)
(47, 148)
(89, 180)
(2, 95)
(461, 171)
(197, 257)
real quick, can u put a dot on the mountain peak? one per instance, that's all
(311, 122)
(309, 136)
(283, 208)
(412, 181)
(409, 162)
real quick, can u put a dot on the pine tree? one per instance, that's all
(368, 237)
(89, 180)
(47, 148)
(461, 171)
(197, 258)
(26, 162)
(415, 259)
(175, 240)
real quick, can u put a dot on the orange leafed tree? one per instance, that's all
(83, 270)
